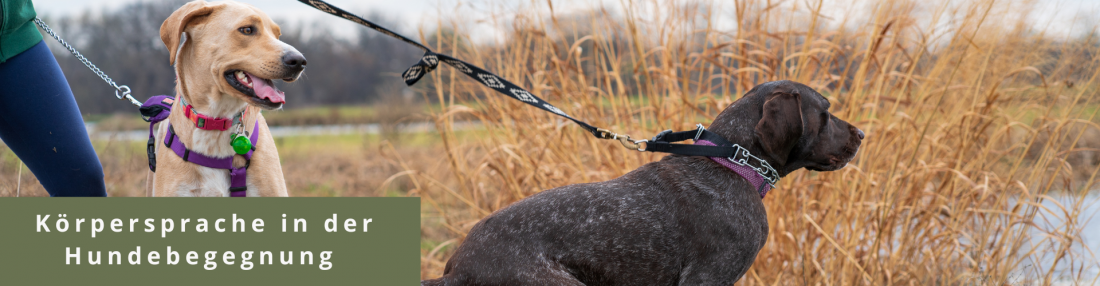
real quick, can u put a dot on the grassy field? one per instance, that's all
(972, 119)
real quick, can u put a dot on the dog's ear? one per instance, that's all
(782, 124)
(173, 27)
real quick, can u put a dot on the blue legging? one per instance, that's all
(40, 122)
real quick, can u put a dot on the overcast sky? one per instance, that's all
(410, 12)
(1068, 17)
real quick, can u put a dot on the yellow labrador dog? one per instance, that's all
(226, 55)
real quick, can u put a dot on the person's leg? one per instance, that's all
(40, 122)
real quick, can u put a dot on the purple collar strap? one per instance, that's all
(745, 171)
(157, 109)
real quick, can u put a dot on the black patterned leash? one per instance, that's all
(660, 143)
(430, 61)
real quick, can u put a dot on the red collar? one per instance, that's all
(206, 122)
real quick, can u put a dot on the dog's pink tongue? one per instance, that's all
(265, 90)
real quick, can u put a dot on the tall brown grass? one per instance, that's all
(974, 120)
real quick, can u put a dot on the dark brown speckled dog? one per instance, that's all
(684, 220)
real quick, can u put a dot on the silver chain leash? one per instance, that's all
(121, 91)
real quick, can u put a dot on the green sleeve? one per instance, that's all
(17, 30)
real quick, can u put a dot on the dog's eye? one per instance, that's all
(245, 30)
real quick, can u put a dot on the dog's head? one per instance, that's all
(790, 126)
(230, 49)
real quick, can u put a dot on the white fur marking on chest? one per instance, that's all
(211, 143)
(210, 183)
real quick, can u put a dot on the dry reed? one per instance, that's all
(973, 120)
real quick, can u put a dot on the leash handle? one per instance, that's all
(121, 91)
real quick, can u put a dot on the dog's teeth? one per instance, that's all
(243, 78)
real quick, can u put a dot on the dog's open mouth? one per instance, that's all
(261, 91)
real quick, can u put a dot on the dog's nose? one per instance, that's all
(294, 60)
(859, 133)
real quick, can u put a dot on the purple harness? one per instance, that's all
(157, 109)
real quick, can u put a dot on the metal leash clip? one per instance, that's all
(627, 142)
(125, 95)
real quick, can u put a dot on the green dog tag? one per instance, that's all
(241, 144)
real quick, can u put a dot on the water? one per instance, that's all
(1054, 218)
